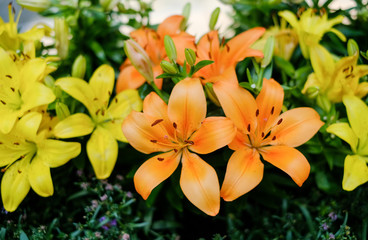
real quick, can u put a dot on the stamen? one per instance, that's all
(160, 159)
(3, 169)
(50, 128)
(103, 112)
(156, 122)
(345, 69)
(154, 141)
(109, 93)
(279, 122)
(257, 112)
(223, 41)
(3, 102)
(274, 138)
(175, 150)
(272, 110)
(189, 142)
(227, 47)
(98, 110)
(263, 134)
(248, 128)
(174, 125)
(209, 54)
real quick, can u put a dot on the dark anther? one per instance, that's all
(248, 128)
(223, 41)
(174, 125)
(279, 122)
(19, 171)
(227, 47)
(95, 99)
(156, 122)
(16, 143)
(190, 142)
(12, 89)
(274, 138)
(109, 93)
(209, 54)
(98, 110)
(175, 150)
(50, 128)
(262, 134)
(160, 159)
(3, 169)
(8, 76)
(272, 110)
(257, 112)
(103, 112)
(154, 141)
(116, 100)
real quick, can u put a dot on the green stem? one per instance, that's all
(158, 91)
(260, 79)
(364, 229)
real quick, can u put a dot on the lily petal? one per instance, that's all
(124, 103)
(39, 176)
(355, 172)
(7, 120)
(208, 46)
(75, 125)
(200, 184)
(8, 67)
(343, 131)
(289, 160)
(36, 95)
(129, 78)
(215, 133)
(32, 72)
(187, 106)
(142, 133)
(238, 104)
(102, 151)
(15, 185)
(102, 83)
(55, 153)
(320, 58)
(114, 128)
(243, 173)
(79, 90)
(269, 102)
(28, 125)
(296, 126)
(290, 17)
(240, 140)
(170, 26)
(154, 171)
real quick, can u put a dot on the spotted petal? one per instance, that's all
(39, 176)
(102, 83)
(75, 125)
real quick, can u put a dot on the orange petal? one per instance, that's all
(208, 46)
(269, 102)
(297, 126)
(170, 26)
(143, 134)
(154, 171)
(238, 104)
(289, 160)
(215, 133)
(183, 41)
(240, 140)
(129, 78)
(187, 106)
(228, 75)
(243, 173)
(200, 184)
(239, 45)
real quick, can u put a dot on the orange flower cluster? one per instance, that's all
(180, 130)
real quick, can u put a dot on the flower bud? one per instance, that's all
(170, 48)
(49, 81)
(34, 5)
(168, 67)
(324, 103)
(268, 51)
(312, 92)
(208, 88)
(79, 67)
(139, 58)
(214, 16)
(352, 47)
(190, 56)
(186, 13)
(108, 5)
(61, 37)
(62, 110)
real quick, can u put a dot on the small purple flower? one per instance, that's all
(79, 173)
(125, 236)
(109, 224)
(331, 236)
(3, 211)
(333, 216)
(94, 204)
(103, 197)
(119, 177)
(109, 187)
(84, 185)
(98, 234)
(129, 194)
(324, 226)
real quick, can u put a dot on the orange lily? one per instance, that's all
(263, 131)
(179, 129)
(153, 43)
(227, 55)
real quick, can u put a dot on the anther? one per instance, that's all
(3, 169)
(223, 41)
(8, 76)
(160, 159)
(109, 93)
(12, 89)
(50, 128)
(263, 134)
(116, 100)
(154, 141)
(19, 171)
(345, 69)
(274, 138)
(3, 102)
(209, 54)
(190, 142)
(279, 122)
(95, 99)
(227, 47)
(272, 110)
(257, 112)
(156, 122)
(248, 128)
(175, 150)
(103, 112)
(174, 125)
(98, 110)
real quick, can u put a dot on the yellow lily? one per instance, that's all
(20, 89)
(356, 134)
(10, 39)
(310, 28)
(29, 154)
(104, 121)
(336, 79)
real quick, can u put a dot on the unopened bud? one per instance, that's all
(186, 14)
(62, 110)
(208, 87)
(170, 48)
(352, 47)
(312, 92)
(34, 5)
(324, 103)
(108, 5)
(190, 56)
(61, 37)
(214, 16)
(139, 59)
(268, 51)
(167, 67)
(79, 67)
(49, 81)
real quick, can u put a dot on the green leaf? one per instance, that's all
(168, 75)
(2, 233)
(284, 65)
(202, 64)
(23, 235)
(98, 50)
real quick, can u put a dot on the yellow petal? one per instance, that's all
(102, 151)
(32, 72)
(295, 127)
(200, 184)
(55, 153)
(7, 120)
(323, 65)
(28, 125)
(102, 83)
(343, 131)
(124, 103)
(75, 125)
(338, 33)
(362, 90)
(243, 173)
(290, 18)
(154, 171)
(288, 160)
(215, 133)
(187, 106)
(15, 185)
(36, 95)
(9, 155)
(40, 177)
(355, 172)
(7, 66)
(114, 128)
(80, 90)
